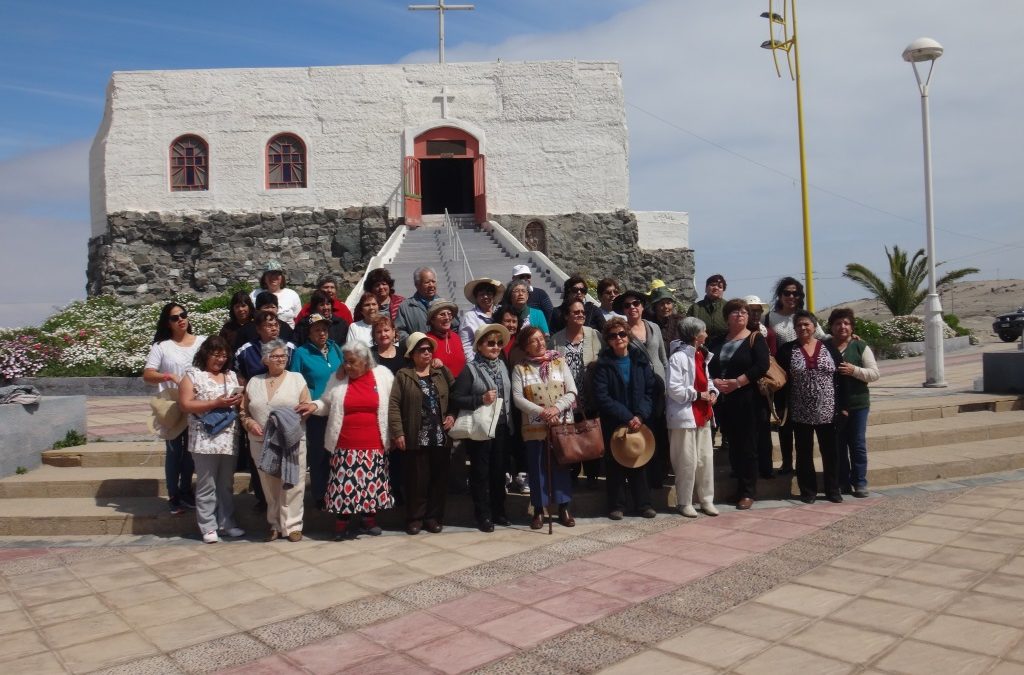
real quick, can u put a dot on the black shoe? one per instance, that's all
(648, 513)
(432, 526)
(846, 490)
(835, 499)
(784, 470)
(808, 499)
(615, 515)
(501, 520)
(860, 493)
(485, 525)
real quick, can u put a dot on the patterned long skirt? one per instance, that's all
(359, 482)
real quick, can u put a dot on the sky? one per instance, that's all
(712, 130)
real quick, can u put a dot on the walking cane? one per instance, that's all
(551, 484)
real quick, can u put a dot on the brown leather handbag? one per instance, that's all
(577, 442)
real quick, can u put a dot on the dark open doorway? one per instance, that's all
(447, 184)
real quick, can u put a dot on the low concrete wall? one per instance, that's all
(90, 386)
(1003, 372)
(27, 430)
(949, 344)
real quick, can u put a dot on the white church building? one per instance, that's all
(199, 176)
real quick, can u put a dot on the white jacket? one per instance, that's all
(679, 390)
(332, 404)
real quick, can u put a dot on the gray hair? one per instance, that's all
(360, 350)
(515, 283)
(419, 272)
(690, 328)
(269, 348)
(327, 279)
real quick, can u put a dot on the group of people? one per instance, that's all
(365, 400)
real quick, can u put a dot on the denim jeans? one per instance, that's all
(178, 468)
(853, 450)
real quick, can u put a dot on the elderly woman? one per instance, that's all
(448, 351)
(273, 280)
(689, 416)
(241, 312)
(362, 330)
(205, 387)
(316, 361)
(249, 358)
(543, 389)
(624, 395)
(484, 380)
(337, 328)
(580, 346)
(285, 395)
(858, 369)
(741, 358)
(356, 407)
(817, 400)
(174, 348)
(483, 293)
(382, 285)
(665, 315)
(516, 296)
(420, 416)
(328, 286)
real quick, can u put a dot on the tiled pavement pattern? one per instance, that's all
(117, 418)
(927, 579)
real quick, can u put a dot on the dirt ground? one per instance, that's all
(977, 303)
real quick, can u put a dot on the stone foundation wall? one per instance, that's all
(147, 257)
(605, 244)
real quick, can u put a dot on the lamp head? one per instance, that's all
(922, 49)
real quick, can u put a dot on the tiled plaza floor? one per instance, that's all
(916, 580)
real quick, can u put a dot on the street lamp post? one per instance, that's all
(924, 50)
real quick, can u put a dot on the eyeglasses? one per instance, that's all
(621, 335)
(278, 357)
(792, 294)
(633, 303)
(578, 289)
(738, 312)
(494, 343)
(423, 350)
(177, 317)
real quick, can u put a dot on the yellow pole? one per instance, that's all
(808, 265)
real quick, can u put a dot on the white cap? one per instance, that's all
(521, 269)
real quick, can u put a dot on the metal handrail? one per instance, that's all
(458, 252)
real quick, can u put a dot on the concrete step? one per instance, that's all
(963, 428)
(937, 407)
(99, 482)
(126, 454)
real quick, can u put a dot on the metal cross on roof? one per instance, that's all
(440, 8)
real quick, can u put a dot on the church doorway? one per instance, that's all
(447, 184)
(445, 171)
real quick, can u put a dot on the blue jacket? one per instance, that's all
(309, 362)
(616, 401)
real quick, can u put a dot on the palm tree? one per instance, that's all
(903, 293)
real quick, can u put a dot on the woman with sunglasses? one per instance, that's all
(420, 413)
(544, 391)
(575, 290)
(174, 348)
(484, 380)
(789, 298)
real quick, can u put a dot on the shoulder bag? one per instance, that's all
(577, 442)
(479, 424)
(217, 420)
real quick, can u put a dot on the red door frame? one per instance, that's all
(411, 172)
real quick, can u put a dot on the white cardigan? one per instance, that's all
(332, 404)
(679, 390)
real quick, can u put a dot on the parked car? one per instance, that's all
(1009, 326)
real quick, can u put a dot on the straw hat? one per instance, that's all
(487, 329)
(632, 449)
(470, 290)
(166, 420)
(413, 340)
(754, 300)
(441, 304)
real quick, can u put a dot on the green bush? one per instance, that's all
(953, 321)
(224, 299)
(871, 332)
(70, 440)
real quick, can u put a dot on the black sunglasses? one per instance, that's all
(621, 335)
(578, 289)
(177, 317)
(633, 303)
(494, 343)
(792, 294)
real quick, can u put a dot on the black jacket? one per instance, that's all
(747, 360)
(617, 402)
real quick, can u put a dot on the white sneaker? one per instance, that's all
(708, 508)
(234, 532)
(210, 537)
(688, 510)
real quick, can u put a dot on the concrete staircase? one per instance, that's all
(118, 487)
(429, 246)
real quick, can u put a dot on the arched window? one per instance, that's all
(536, 237)
(190, 164)
(286, 162)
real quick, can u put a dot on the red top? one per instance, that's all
(359, 429)
(449, 351)
(701, 409)
(340, 309)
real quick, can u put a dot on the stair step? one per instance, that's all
(97, 454)
(99, 482)
(938, 407)
(963, 428)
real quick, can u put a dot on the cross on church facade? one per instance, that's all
(445, 97)
(440, 8)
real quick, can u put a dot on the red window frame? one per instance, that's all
(286, 162)
(189, 164)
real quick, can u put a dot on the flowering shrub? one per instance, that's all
(910, 329)
(98, 336)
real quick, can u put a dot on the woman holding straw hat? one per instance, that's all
(543, 389)
(624, 394)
